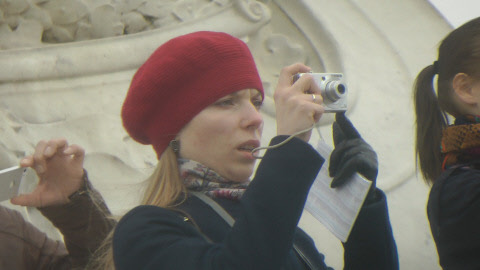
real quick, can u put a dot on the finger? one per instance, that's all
(31, 199)
(335, 160)
(317, 99)
(306, 84)
(345, 173)
(354, 156)
(313, 104)
(349, 149)
(346, 126)
(338, 135)
(343, 153)
(337, 182)
(77, 152)
(27, 161)
(55, 146)
(286, 74)
(39, 162)
(318, 113)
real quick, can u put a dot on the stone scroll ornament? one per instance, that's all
(35, 23)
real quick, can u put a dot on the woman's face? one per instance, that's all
(476, 96)
(223, 135)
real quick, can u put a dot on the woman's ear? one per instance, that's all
(462, 86)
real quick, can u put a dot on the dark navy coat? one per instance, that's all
(193, 236)
(454, 214)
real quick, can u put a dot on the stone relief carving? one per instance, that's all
(71, 20)
(31, 23)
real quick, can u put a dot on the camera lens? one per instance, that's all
(334, 90)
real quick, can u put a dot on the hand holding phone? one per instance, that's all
(10, 180)
(59, 167)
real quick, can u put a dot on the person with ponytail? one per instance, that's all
(197, 101)
(448, 154)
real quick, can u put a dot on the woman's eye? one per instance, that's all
(257, 103)
(225, 102)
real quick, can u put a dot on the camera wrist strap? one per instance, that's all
(280, 144)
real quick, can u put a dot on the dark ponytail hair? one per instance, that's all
(459, 52)
(431, 120)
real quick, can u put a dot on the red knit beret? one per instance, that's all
(181, 78)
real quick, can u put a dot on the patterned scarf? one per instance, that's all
(198, 177)
(461, 141)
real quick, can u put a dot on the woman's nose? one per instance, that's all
(252, 117)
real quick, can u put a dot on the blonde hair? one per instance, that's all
(164, 185)
(164, 189)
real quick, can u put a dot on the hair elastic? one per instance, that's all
(435, 67)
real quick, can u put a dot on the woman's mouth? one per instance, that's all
(248, 147)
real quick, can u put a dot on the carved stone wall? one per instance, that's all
(65, 67)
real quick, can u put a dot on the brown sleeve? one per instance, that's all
(84, 222)
(23, 246)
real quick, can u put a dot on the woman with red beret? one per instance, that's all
(197, 101)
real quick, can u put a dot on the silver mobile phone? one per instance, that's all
(10, 180)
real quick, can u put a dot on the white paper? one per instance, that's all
(338, 208)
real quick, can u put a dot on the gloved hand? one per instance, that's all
(351, 154)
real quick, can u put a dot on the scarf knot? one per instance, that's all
(461, 141)
(198, 177)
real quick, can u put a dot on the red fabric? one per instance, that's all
(180, 79)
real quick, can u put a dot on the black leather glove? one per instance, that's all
(351, 154)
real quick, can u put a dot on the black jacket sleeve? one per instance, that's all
(84, 223)
(154, 238)
(454, 215)
(371, 244)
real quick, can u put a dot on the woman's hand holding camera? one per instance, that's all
(298, 105)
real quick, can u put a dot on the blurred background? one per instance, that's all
(457, 12)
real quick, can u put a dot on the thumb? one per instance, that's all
(346, 126)
(31, 199)
(338, 135)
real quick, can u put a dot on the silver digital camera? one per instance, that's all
(333, 90)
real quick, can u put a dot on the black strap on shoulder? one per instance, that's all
(215, 206)
(230, 221)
